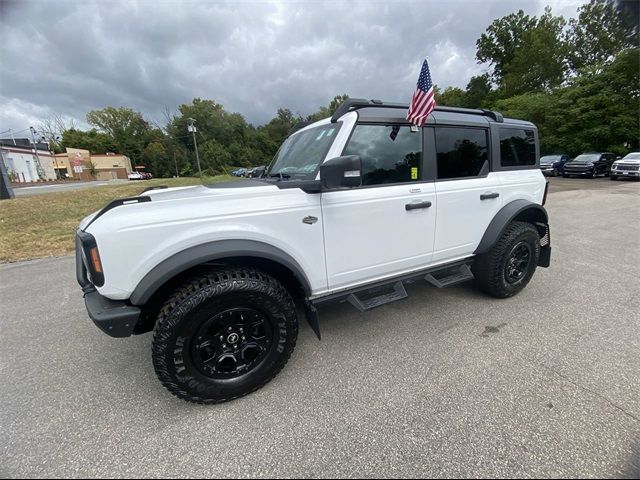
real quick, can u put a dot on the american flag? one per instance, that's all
(423, 101)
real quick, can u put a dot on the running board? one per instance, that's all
(450, 276)
(376, 297)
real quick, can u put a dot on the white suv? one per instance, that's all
(350, 208)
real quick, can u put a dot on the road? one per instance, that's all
(447, 383)
(61, 187)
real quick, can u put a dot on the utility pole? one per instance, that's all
(175, 163)
(192, 128)
(12, 138)
(39, 168)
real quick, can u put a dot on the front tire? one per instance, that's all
(223, 335)
(613, 177)
(508, 267)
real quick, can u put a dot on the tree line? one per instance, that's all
(577, 80)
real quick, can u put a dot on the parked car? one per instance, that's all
(146, 175)
(257, 172)
(217, 271)
(135, 176)
(553, 164)
(239, 172)
(589, 164)
(628, 167)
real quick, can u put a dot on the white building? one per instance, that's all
(25, 164)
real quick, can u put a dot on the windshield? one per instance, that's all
(550, 159)
(589, 157)
(301, 154)
(632, 156)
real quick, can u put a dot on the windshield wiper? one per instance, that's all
(281, 176)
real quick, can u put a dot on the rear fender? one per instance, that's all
(519, 210)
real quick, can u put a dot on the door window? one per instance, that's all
(461, 152)
(517, 147)
(389, 153)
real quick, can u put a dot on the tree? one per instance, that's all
(601, 31)
(52, 129)
(155, 157)
(526, 53)
(498, 45)
(329, 110)
(451, 97)
(478, 89)
(597, 111)
(92, 140)
(128, 129)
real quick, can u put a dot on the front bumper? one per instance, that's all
(625, 173)
(548, 169)
(114, 317)
(578, 170)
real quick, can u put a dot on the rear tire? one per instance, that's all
(508, 267)
(223, 335)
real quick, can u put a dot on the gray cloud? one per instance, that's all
(67, 58)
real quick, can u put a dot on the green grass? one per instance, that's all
(44, 225)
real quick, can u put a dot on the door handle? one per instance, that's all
(487, 196)
(416, 206)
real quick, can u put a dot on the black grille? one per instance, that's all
(629, 168)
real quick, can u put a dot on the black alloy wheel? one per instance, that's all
(518, 262)
(232, 343)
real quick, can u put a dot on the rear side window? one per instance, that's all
(462, 152)
(389, 153)
(517, 147)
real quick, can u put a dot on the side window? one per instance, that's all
(462, 152)
(389, 153)
(517, 147)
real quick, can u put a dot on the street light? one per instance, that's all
(192, 128)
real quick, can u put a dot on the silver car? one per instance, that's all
(627, 167)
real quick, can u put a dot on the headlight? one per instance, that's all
(614, 167)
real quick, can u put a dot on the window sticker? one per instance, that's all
(414, 173)
(321, 135)
(330, 132)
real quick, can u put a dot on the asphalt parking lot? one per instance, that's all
(445, 383)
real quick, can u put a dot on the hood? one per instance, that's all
(242, 187)
(627, 162)
(198, 204)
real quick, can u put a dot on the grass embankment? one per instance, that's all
(44, 225)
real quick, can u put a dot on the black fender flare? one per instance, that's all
(511, 211)
(210, 251)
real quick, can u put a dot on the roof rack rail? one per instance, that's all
(356, 103)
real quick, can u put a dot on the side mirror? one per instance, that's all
(341, 172)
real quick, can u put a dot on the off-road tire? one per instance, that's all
(489, 269)
(202, 298)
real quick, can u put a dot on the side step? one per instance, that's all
(375, 297)
(451, 276)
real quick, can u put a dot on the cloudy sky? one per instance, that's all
(67, 58)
